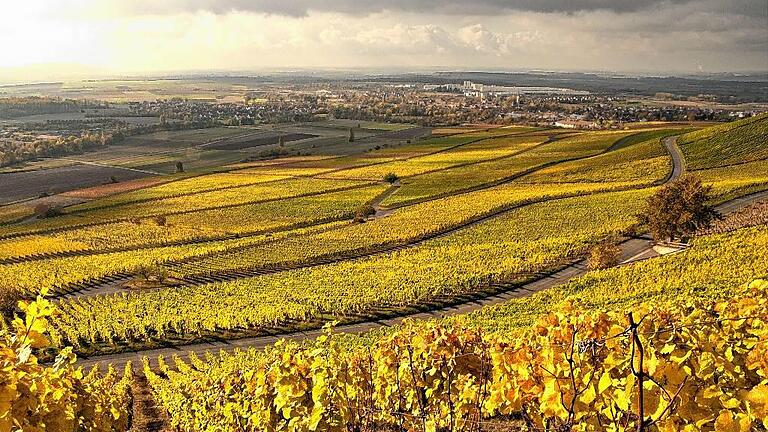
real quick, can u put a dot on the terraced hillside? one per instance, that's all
(733, 143)
(468, 219)
(732, 158)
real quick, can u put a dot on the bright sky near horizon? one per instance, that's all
(81, 37)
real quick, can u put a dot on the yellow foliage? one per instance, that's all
(574, 370)
(59, 398)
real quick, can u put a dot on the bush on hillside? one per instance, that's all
(604, 255)
(61, 396)
(391, 178)
(678, 209)
(43, 211)
(363, 212)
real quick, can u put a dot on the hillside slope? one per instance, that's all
(728, 144)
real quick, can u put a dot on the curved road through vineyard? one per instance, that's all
(633, 249)
(112, 283)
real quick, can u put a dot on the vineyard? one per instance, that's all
(729, 144)
(667, 336)
(492, 252)
(676, 365)
(645, 162)
(721, 261)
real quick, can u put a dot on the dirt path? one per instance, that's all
(376, 203)
(147, 416)
(113, 166)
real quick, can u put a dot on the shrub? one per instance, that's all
(363, 212)
(60, 396)
(47, 211)
(179, 167)
(604, 255)
(678, 209)
(160, 220)
(152, 273)
(391, 178)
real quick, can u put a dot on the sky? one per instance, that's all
(55, 38)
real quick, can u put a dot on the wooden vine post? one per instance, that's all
(639, 372)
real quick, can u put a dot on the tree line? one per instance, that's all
(13, 152)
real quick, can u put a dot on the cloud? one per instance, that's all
(460, 7)
(479, 38)
(177, 35)
(302, 8)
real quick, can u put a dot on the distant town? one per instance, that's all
(104, 112)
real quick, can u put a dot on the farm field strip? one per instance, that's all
(69, 274)
(426, 147)
(191, 137)
(105, 190)
(188, 228)
(492, 173)
(282, 171)
(178, 188)
(646, 161)
(654, 134)
(242, 220)
(382, 156)
(459, 154)
(227, 198)
(388, 153)
(278, 162)
(12, 213)
(344, 125)
(730, 181)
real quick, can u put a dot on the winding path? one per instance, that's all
(678, 161)
(633, 249)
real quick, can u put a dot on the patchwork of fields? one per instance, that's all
(242, 247)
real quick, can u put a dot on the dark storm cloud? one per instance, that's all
(449, 7)
(303, 7)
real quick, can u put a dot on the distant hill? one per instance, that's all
(728, 144)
